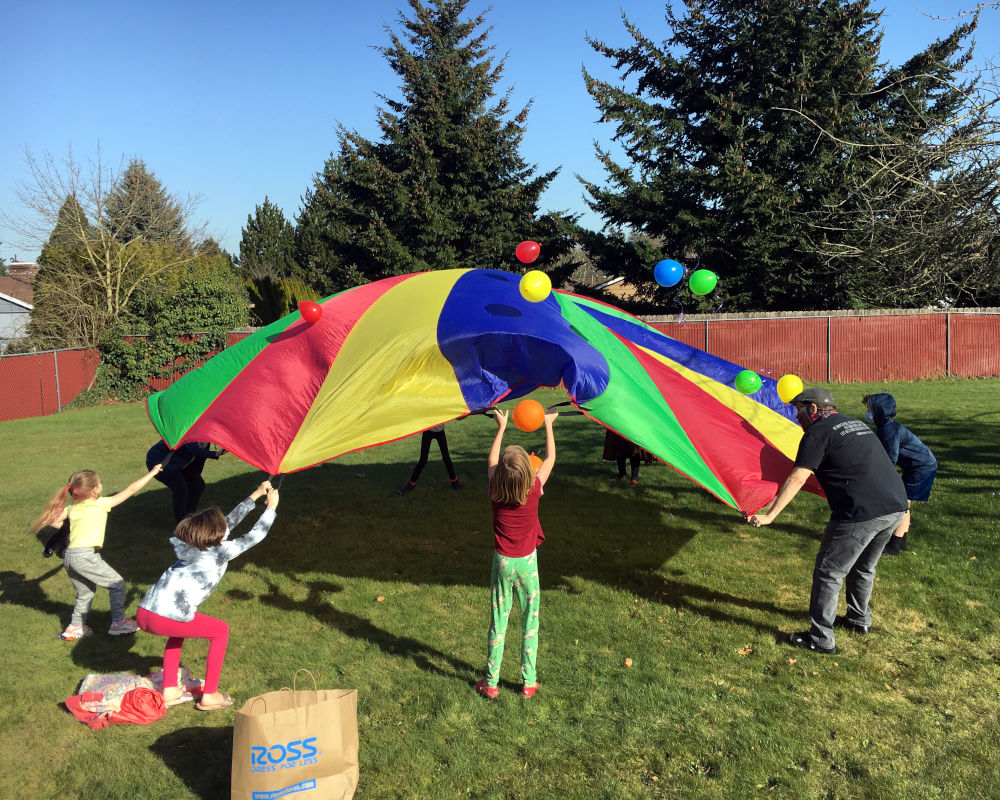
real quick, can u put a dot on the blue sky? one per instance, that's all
(235, 101)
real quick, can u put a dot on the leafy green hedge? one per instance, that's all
(180, 320)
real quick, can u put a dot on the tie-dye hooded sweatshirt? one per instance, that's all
(186, 584)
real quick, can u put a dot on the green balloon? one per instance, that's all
(702, 281)
(747, 382)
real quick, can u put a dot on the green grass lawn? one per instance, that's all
(715, 704)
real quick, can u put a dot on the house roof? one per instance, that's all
(17, 290)
(617, 289)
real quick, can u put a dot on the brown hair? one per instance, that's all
(513, 477)
(202, 529)
(80, 486)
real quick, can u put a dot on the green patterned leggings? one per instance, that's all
(513, 577)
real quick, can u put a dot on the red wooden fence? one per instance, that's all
(37, 384)
(974, 345)
(845, 347)
(840, 346)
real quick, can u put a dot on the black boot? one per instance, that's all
(894, 545)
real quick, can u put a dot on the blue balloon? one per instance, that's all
(668, 272)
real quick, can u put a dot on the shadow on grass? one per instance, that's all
(952, 447)
(201, 757)
(704, 602)
(345, 519)
(318, 606)
(18, 589)
(97, 653)
(106, 654)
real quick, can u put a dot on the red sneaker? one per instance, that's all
(529, 691)
(487, 691)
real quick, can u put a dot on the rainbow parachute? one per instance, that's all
(397, 356)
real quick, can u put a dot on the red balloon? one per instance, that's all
(310, 311)
(527, 251)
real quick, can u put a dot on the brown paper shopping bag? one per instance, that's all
(300, 744)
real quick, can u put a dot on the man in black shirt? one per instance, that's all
(182, 473)
(867, 501)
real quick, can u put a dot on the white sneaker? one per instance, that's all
(73, 632)
(123, 627)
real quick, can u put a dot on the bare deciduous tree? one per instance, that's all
(925, 207)
(99, 259)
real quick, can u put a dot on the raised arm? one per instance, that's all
(132, 488)
(231, 548)
(550, 448)
(235, 517)
(494, 457)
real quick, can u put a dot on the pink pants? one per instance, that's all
(201, 627)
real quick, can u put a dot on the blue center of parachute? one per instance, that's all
(502, 345)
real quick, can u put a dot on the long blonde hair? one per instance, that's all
(81, 486)
(513, 477)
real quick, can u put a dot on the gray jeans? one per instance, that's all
(848, 554)
(87, 570)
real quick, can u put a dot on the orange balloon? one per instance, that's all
(528, 415)
(536, 462)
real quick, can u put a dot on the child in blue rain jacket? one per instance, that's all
(906, 451)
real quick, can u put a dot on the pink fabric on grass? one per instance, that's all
(138, 707)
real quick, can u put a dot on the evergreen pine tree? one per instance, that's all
(67, 300)
(139, 209)
(736, 144)
(445, 186)
(267, 247)
(113, 238)
(72, 230)
(273, 279)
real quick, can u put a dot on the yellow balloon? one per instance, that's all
(788, 387)
(535, 286)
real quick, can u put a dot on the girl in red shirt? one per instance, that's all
(515, 489)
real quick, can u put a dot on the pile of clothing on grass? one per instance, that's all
(125, 698)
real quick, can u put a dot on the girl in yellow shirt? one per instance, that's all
(88, 518)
